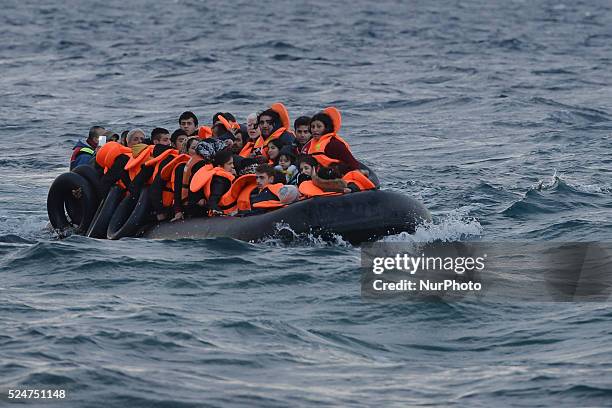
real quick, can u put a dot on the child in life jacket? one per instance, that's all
(308, 167)
(285, 164)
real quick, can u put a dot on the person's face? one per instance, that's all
(266, 124)
(262, 180)
(284, 162)
(95, 140)
(218, 129)
(229, 166)
(238, 142)
(188, 125)
(306, 168)
(136, 138)
(302, 134)
(272, 151)
(252, 128)
(317, 128)
(180, 141)
(163, 140)
(191, 151)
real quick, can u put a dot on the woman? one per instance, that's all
(326, 146)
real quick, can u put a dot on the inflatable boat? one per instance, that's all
(356, 217)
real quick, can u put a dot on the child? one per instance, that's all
(308, 167)
(274, 148)
(285, 164)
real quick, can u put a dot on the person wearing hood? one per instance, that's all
(83, 152)
(274, 124)
(326, 146)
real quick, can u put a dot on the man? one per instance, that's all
(274, 124)
(160, 136)
(84, 151)
(134, 137)
(266, 193)
(188, 121)
(302, 134)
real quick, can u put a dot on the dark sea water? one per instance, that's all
(496, 114)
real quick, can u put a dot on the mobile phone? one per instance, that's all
(102, 141)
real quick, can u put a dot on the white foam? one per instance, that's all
(453, 226)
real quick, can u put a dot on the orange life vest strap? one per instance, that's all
(269, 204)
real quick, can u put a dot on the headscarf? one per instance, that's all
(208, 148)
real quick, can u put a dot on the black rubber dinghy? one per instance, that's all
(357, 217)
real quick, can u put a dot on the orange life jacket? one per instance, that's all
(308, 189)
(107, 155)
(357, 177)
(109, 152)
(317, 149)
(239, 195)
(203, 179)
(274, 189)
(250, 146)
(187, 175)
(167, 188)
(204, 132)
(168, 175)
(133, 165)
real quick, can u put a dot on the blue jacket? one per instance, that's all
(81, 154)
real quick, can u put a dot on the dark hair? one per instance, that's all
(287, 150)
(308, 160)
(176, 134)
(93, 132)
(222, 157)
(273, 114)
(277, 142)
(123, 138)
(328, 173)
(157, 132)
(327, 121)
(266, 169)
(188, 115)
(244, 134)
(302, 121)
(189, 142)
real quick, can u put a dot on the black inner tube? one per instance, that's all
(62, 200)
(105, 212)
(89, 173)
(130, 216)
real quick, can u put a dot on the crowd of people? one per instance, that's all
(227, 168)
